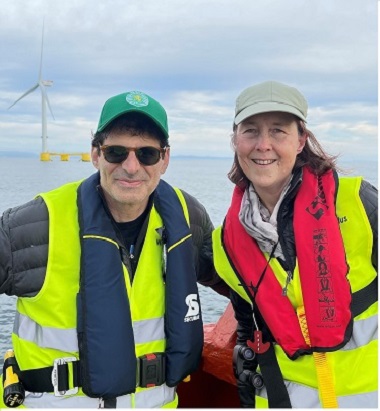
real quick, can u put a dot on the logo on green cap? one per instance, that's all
(137, 99)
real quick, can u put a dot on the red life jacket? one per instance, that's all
(322, 267)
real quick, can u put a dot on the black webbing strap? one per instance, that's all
(278, 396)
(40, 379)
(110, 403)
(364, 298)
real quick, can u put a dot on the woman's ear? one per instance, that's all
(302, 141)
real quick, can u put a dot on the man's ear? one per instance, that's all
(95, 157)
(166, 161)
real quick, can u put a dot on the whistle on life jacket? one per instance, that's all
(13, 393)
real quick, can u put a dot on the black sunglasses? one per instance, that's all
(147, 156)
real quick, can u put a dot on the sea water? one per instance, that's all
(205, 178)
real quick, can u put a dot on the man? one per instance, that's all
(105, 270)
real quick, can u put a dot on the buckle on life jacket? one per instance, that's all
(151, 370)
(60, 370)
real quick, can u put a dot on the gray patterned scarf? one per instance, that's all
(258, 222)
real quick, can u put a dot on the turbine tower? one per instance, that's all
(42, 84)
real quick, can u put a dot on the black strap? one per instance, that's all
(110, 403)
(151, 371)
(364, 298)
(278, 396)
(39, 380)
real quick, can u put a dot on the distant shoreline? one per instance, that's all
(21, 154)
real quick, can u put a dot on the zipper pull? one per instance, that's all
(101, 403)
(288, 279)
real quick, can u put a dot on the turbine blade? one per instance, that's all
(25, 94)
(42, 50)
(45, 96)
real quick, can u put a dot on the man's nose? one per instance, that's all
(131, 163)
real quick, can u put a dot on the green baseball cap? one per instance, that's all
(133, 101)
(270, 96)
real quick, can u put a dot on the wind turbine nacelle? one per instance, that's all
(47, 83)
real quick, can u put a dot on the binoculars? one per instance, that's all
(243, 354)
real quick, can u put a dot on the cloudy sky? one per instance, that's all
(195, 57)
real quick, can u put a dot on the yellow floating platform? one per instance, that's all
(64, 156)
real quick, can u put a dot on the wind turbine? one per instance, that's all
(42, 84)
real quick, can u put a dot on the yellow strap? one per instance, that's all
(179, 242)
(325, 378)
(99, 237)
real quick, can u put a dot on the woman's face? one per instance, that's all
(267, 145)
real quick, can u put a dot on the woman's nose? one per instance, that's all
(263, 142)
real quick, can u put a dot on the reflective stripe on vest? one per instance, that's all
(364, 331)
(155, 397)
(60, 339)
(306, 397)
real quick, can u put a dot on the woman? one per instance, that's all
(298, 248)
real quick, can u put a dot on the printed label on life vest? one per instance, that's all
(318, 206)
(325, 289)
(193, 311)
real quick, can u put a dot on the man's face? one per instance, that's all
(128, 185)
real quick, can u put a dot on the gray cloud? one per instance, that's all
(195, 57)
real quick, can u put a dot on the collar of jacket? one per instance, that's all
(140, 239)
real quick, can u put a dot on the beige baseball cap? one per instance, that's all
(270, 96)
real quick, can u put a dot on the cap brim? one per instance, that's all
(266, 107)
